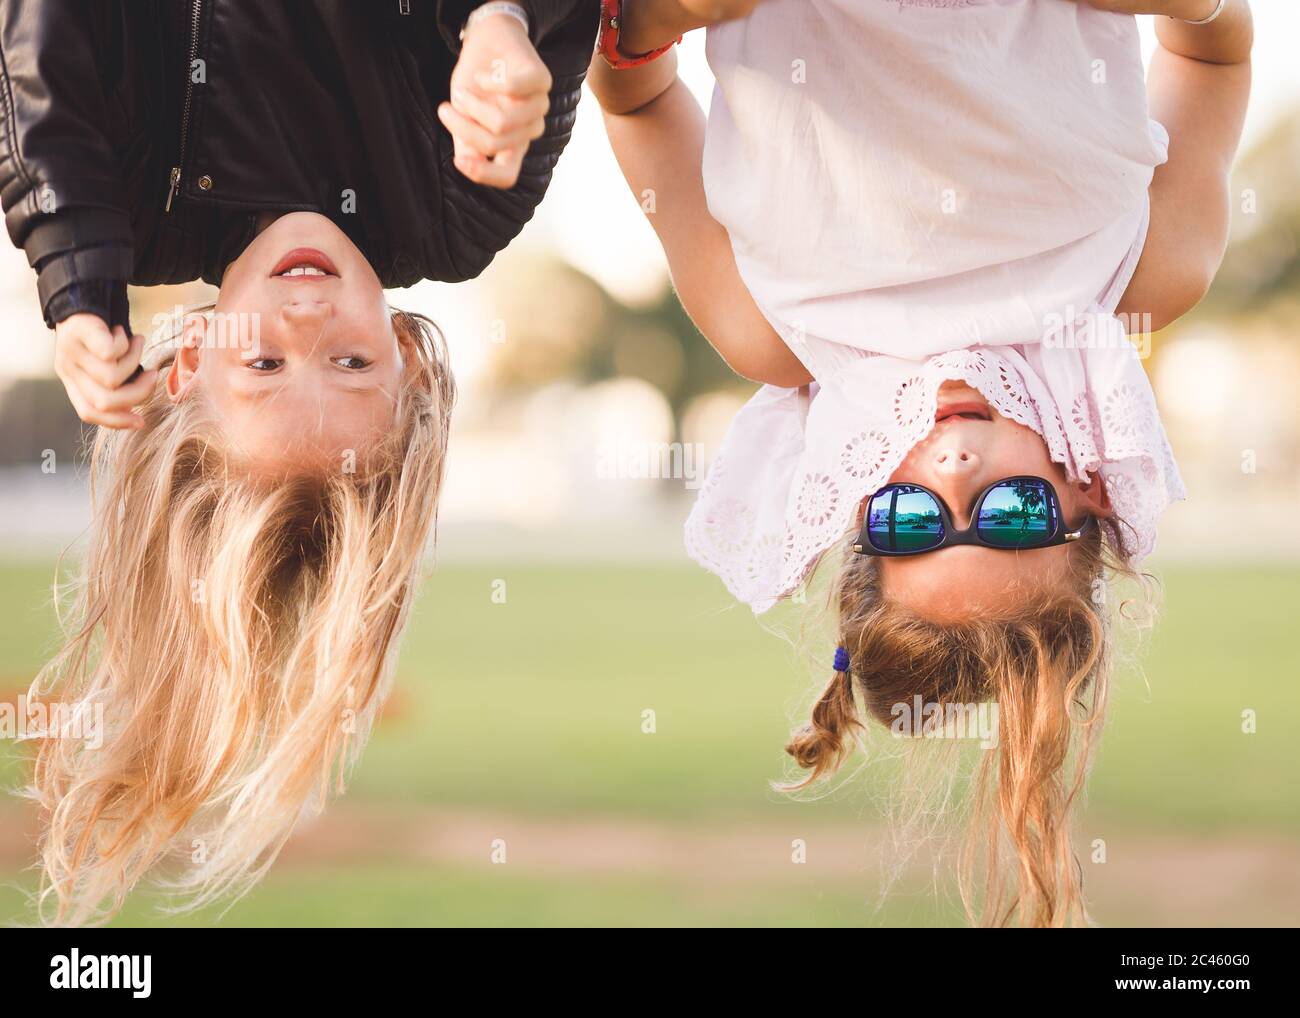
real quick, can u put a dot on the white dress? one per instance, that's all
(919, 190)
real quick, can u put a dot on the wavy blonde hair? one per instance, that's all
(1045, 663)
(238, 634)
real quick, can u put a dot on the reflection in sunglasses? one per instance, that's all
(1015, 514)
(905, 519)
(1018, 513)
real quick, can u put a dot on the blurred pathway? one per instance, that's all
(1156, 879)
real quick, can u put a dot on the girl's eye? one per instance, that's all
(264, 360)
(356, 365)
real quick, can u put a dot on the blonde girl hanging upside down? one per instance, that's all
(265, 485)
(939, 233)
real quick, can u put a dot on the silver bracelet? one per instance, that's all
(1213, 17)
(506, 7)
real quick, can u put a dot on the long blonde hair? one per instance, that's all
(1045, 663)
(237, 636)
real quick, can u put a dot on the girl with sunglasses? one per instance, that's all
(936, 233)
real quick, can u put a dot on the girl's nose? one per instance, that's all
(305, 312)
(953, 460)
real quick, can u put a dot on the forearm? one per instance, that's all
(625, 90)
(660, 149)
(1226, 40)
(1202, 103)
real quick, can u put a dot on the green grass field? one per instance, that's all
(533, 709)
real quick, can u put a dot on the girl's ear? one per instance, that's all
(1094, 495)
(407, 330)
(401, 330)
(405, 343)
(185, 365)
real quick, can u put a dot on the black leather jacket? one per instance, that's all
(143, 137)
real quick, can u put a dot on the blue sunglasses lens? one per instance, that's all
(1017, 514)
(904, 518)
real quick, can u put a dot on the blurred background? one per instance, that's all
(563, 609)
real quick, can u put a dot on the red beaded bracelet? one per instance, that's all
(607, 42)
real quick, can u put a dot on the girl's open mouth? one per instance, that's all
(965, 410)
(304, 263)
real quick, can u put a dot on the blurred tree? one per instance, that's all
(561, 324)
(1263, 260)
(35, 416)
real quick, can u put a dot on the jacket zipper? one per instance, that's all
(175, 182)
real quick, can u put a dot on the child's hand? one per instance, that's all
(93, 362)
(500, 92)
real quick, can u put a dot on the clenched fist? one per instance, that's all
(93, 363)
(500, 92)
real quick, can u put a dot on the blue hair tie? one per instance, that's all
(841, 659)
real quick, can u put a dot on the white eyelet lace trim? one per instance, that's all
(797, 463)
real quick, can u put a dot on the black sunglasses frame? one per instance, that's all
(970, 534)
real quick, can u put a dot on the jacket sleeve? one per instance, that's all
(479, 221)
(59, 179)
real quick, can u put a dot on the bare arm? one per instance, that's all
(656, 129)
(1199, 85)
